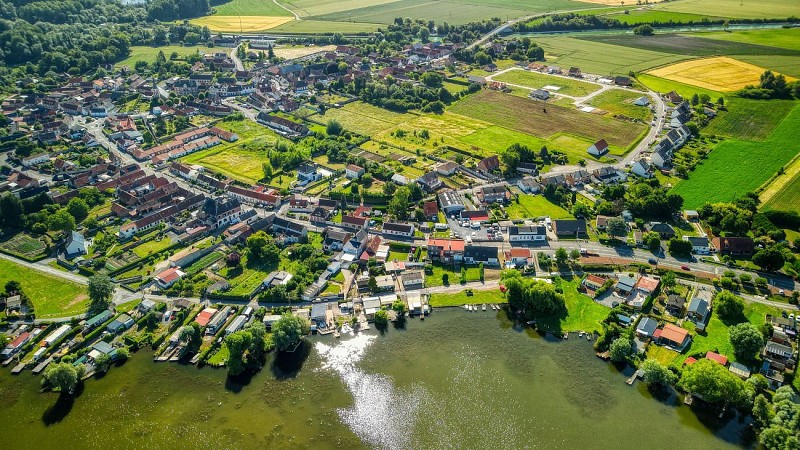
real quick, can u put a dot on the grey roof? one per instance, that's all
(647, 326)
(480, 253)
(397, 227)
(698, 306)
(538, 230)
(626, 282)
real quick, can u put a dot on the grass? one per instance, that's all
(635, 16)
(536, 206)
(149, 54)
(786, 190)
(321, 26)
(51, 296)
(720, 73)
(781, 37)
(583, 313)
(454, 275)
(734, 8)
(298, 51)
(24, 245)
(128, 306)
(203, 262)
(687, 44)
(571, 87)
(663, 86)
(364, 118)
(532, 117)
(620, 102)
(463, 298)
(749, 119)
(218, 22)
(250, 8)
(152, 246)
(599, 58)
(721, 178)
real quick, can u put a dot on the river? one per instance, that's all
(455, 380)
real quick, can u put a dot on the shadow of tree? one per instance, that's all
(286, 365)
(62, 407)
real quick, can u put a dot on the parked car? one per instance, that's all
(685, 267)
(652, 261)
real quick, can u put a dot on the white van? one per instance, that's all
(440, 226)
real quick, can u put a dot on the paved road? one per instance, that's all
(235, 57)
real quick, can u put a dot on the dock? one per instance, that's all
(605, 356)
(18, 368)
(42, 365)
(638, 374)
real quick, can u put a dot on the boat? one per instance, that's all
(531, 322)
(466, 307)
(580, 334)
(588, 337)
(566, 336)
(484, 307)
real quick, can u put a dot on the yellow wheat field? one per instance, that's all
(720, 73)
(233, 24)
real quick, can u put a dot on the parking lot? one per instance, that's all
(463, 229)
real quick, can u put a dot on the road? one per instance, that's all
(235, 57)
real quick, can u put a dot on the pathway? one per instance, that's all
(296, 16)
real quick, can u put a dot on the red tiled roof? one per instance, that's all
(447, 244)
(717, 357)
(430, 208)
(689, 361)
(205, 316)
(19, 340)
(647, 284)
(169, 275)
(520, 253)
(674, 333)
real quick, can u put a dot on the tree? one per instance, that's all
(61, 220)
(237, 343)
(714, 383)
(262, 248)
(762, 412)
(334, 128)
(616, 227)
(381, 317)
(398, 205)
(729, 307)
(575, 254)
(260, 343)
(62, 377)
(266, 167)
(372, 284)
(399, 306)
(679, 247)
(769, 259)
(643, 30)
(561, 256)
(652, 241)
(191, 336)
(695, 99)
(668, 279)
(102, 363)
(10, 211)
(78, 208)
(288, 331)
(100, 291)
(746, 339)
(657, 374)
(621, 348)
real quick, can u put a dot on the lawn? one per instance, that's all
(152, 246)
(454, 275)
(51, 296)
(571, 87)
(250, 8)
(721, 178)
(364, 118)
(720, 73)
(751, 120)
(532, 117)
(636, 16)
(599, 58)
(149, 54)
(620, 102)
(583, 313)
(687, 44)
(532, 206)
(775, 37)
(463, 298)
(663, 86)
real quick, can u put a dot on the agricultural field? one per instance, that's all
(720, 74)
(784, 192)
(364, 118)
(619, 101)
(599, 58)
(735, 8)
(250, 8)
(51, 296)
(25, 246)
(720, 178)
(298, 51)
(535, 206)
(244, 24)
(547, 121)
(635, 16)
(788, 38)
(663, 86)
(319, 26)
(149, 54)
(687, 44)
(536, 80)
(752, 120)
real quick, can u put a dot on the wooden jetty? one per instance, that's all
(606, 355)
(638, 374)
(42, 365)
(18, 368)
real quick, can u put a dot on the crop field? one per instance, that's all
(298, 51)
(635, 16)
(250, 8)
(720, 74)
(618, 101)
(544, 120)
(599, 58)
(751, 120)
(364, 118)
(535, 206)
(51, 296)
(24, 245)
(787, 65)
(721, 178)
(784, 192)
(149, 54)
(682, 44)
(218, 22)
(320, 26)
(735, 8)
(788, 38)
(662, 85)
(571, 87)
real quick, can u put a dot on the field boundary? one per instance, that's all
(776, 184)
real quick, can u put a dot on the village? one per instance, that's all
(341, 232)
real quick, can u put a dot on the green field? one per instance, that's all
(721, 178)
(25, 246)
(364, 118)
(320, 26)
(751, 120)
(787, 65)
(250, 8)
(788, 198)
(149, 54)
(735, 8)
(535, 206)
(583, 313)
(152, 246)
(546, 120)
(635, 16)
(462, 298)
(599, 58)
(51, 296)
(780, 37)
(683, 44)
(663, 86)
(618, 101)
(571, 87)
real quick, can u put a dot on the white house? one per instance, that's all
(168, 277)
(413, 279)
(599, 148)
(353, 171)
(398, 229)
(700, 245)
(35, 159)
(529, 185)
(661, 158)
(642, 168)
(76, 245)
(527, 234)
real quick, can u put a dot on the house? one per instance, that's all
(446, 250)
(601, 222)
(398, 229)
(75, 245)
(16, 345)
(529, 168)
(642, 168)
(447, 168)
(121, 323)
(476, 254)
(384, 283)
(276, 278)
(534, 233)
(205, 316)
(431, 210)
(221, 211)
(354, 222)
(97, 320)
(571, 228)
(353, 171)
(307, 173)
(672, 335)
(664, 230)
(294, 232)
(599, 148)
(625, 284)
(168, 277)
(647, 285)
(413, 279)
(674, 97)
(218, 320)
(335, 240)
(740, 370)
(574, 72)
(236, 324)
(451, 202)
(489, 164)
(494, 194)
(623, 81)
(691, 215)
(145, 306)
(699, 244)
(529, 185)
(518, 256)
(430, 181)
(717, 357)
(698, 309)
(539, 94)
(101, 348)
(778, 352)
(593, 282)
(478, 215)
(642, 101)
(661, 158)
(675, 304)
(646, 327)
(735, 246)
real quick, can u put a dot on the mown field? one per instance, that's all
(149, 54)
(320, 26)
(635, 16)
(784, 192)
(250, 8)
(721, 176)
(599, 58)
(788, 38)
(690, 44)
(535, 206)
(545, 120)
(735, 8)
(364, 118)
(571, 87)
(751, 120)
(51, 296)
(721, 73)
(663, 86)
(618, 101)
